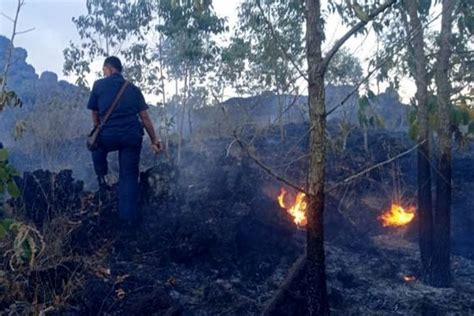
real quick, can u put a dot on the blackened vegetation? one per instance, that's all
(213, 240)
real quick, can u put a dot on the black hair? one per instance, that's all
(114, 62)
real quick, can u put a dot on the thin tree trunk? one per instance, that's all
(190, 123)
(3, 82)
(183, 114)
(441, 274)
(366, 138)
(164, 116)
(316, 274)
(280, 115)
(425, 216)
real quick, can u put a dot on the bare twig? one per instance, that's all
(10, 49)
(354, 30)
(367, 170)
(266, 168)
(25, 31)
(7, 17)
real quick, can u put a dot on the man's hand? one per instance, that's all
(157, 146)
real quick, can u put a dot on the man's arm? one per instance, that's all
(95, 118)
(93, 105)
(150, 129)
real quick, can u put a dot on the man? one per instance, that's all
(123, 132)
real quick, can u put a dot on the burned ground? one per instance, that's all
(213, 240)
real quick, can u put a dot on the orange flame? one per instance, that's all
(297, 209)
(397, 216)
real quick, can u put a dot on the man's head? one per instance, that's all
(112, 65)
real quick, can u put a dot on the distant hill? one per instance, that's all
(56, 117)
(37, 92)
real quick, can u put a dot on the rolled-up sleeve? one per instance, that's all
(142, 106)
(93, 103)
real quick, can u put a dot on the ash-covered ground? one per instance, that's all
(214, 241)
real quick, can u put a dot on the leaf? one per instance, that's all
(359, 12)
(27, 249)
(7, 223)
(5, 226)
(3, 154)
(12, 189)
(3, 174)
(371, 95)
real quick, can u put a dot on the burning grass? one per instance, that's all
(297, 208)
(397, 216)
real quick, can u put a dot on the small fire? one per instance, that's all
(297, 209)
(397, 216)
(409, 278)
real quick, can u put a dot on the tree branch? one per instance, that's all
(354, 30)
(266, 168)
(365, 171)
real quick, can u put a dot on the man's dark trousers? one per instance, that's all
(129, 146)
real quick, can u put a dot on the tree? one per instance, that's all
(190, 50)
(419, 72)
(441, 275)
(113, 28)
(270, 41)
(316, 274)
(8, 98)
(317, 67)
(422, 62)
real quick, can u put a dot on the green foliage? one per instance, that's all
(189, 27)
(28, 244)
(365, 113)
(8, 97)
(5, 227)
(267, 47)
(460, 115)
(7, 173)
(344, 69)
(7, 185)
(111, 27)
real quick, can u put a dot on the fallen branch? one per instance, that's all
(296, 274)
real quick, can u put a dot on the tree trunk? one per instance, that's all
(316, 274)
(164, 114)
(183, 114)
(190, 123)
(366, 138)
(280, 116)
(441, 275)
(425, 216)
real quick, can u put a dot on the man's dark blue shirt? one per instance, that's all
(124, 118)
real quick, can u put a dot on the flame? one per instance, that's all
(409, 278)
(297, 209)
(397, 216)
